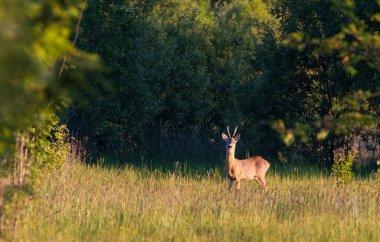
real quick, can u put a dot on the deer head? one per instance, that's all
(231, 140)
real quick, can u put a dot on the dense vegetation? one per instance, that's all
(154, 83)
(179, 72)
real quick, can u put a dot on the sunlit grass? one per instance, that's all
(83, 203)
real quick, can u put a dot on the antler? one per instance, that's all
(235, 131)
(228, 131)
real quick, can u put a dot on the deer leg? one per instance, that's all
(263, 183)
(230, 185)
(238, 185)
(258, 181)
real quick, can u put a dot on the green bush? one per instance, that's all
(343, 168)
(49, 148)
(39, 152)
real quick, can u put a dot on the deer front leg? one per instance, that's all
(231, 182)
(230, 172)
(238, 184)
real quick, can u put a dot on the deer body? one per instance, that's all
(253, 168)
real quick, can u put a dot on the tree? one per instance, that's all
(35, 36)
(339, 75)
(173, 72)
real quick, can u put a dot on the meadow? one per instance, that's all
(92, 203)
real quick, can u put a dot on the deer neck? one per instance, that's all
(230, 164)
(231, 158)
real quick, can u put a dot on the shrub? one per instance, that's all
(49, 149)
(342, 168)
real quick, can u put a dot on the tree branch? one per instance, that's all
(75, 38)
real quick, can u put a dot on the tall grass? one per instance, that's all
(90, 203)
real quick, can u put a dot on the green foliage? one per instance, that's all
(35, 36)
(330, 83)
(179, 72)
(175, 72)
(44, 150)
(49, 148)
(343, 168)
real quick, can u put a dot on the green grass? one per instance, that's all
(83, 203)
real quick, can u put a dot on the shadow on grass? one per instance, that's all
(211, 164)
(192, 164)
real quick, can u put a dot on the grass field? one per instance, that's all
(83, 203)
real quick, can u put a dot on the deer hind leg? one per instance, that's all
(263, 183)
(258, 181)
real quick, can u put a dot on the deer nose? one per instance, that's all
(229, 146)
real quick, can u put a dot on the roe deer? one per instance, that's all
(247, 169)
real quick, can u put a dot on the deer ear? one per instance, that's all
(225, 137)
(237, 137)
